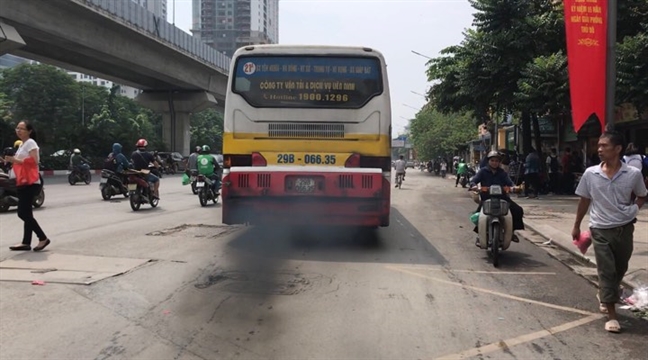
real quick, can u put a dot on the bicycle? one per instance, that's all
(399, 180)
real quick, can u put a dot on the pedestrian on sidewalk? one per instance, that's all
(609, 188)
(532, 174)
(26, 193)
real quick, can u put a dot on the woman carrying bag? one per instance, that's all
(25, 170)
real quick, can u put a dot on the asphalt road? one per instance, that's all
(419, 290)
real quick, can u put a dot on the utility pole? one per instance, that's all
(610, 66)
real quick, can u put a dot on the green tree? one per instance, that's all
(632, 71)
(46, 96)
(207, 129)
(434, 133)
(7, 133)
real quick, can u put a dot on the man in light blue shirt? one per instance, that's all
(609, 188)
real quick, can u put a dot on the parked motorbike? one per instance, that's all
(169, 167)
(140, 191)
(9, 194)
(112, 184)
(495, 224)
(80, 174)
(205, 188)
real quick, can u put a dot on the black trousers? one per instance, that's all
(26, 195)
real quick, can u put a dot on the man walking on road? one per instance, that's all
(608, 188)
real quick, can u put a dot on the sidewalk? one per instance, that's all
(552, 217)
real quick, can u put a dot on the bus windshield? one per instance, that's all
(338, 82)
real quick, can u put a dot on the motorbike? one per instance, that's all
(140, 191)
(463, 179)
(9, 194)
(112, 184)
(443, 173)
(205, 188)
(193, 178)
(495, 223)
(79, 174)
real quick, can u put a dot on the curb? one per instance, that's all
(64, 172)
(568, 246)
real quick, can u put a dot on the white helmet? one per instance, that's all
(77, 151)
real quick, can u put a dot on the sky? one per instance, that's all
(393, 27)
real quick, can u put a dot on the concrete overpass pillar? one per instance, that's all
(176, 109)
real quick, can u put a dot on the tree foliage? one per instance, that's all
(513, 61)
(69, 114)
(207, 129)
(437, 134)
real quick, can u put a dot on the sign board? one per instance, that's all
(398, 143)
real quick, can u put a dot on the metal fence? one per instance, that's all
(137, 17)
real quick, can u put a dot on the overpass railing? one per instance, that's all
(137, 17)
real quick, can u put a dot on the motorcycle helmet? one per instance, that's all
(198, 149)
(17, 143)
(141, 143)
(206, 148)
(493, 154)
(77, 151)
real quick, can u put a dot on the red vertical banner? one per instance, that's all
(586, 25)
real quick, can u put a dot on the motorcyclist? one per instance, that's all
(117, 161)
(9, 151)
(141, 160)
(400, 165)
(462, 168)
(493, 174)
(78, 162)
(208, 166)
(192, 165)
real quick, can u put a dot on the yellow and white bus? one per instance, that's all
(307, 136)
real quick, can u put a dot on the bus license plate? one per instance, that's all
(305, 185)
(302, 158)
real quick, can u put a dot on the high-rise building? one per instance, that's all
(124, 90)
(228, 25)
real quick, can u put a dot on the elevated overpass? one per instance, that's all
(121, 41)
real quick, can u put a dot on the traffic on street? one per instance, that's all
(174, 282)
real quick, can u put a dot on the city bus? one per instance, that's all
(307, 137)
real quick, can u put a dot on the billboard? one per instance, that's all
(398, 143)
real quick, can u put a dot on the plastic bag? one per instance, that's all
(26, 172)
(185, 179)
(583, 242)
(474, 218)
(638, 301)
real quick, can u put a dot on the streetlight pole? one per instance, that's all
(83, 104)
(174, 1)
(610, 73)
(419, 54)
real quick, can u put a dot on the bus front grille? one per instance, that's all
(306, 131)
